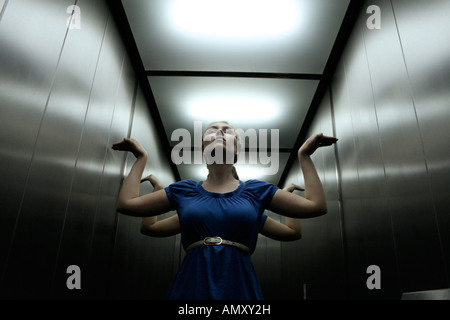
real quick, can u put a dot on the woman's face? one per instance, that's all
(220, 143)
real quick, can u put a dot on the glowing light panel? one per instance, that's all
(236, 18)
(233, 109)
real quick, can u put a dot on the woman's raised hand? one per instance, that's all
(291, 187)
(314, 142)
(130, 145)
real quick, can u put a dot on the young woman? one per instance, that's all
(220, 218)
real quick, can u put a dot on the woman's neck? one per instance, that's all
(220, 173)
(220, 179)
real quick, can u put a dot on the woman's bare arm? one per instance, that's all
(129, 202)
(163, 228)
(314, 203)
(289, 231)
(150, 226)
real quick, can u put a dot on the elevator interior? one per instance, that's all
(78, 75)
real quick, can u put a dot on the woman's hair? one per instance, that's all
(234, 173)
(238, 143)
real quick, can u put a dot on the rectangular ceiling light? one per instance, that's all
(236, 18)
(234, 109)
(267, 36)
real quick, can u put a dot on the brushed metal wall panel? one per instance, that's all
(313, 267)
(158, 254)
(422, 29)
(367, 216)
(51, 177)
(68, 97)
(45, 31)
(104, 228)
(328, 228)
(65, 98)
(348, 160)
(322, 236)
(82, 205)
(386, 197)
(26, 78)
(144, 266)
(402, 146)
(390, 106)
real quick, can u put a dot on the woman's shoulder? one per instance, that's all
(183, 184)
(257, 184)
(187, 182)
(181, 188)
(262, 190)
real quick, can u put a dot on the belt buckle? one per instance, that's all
(212, 241)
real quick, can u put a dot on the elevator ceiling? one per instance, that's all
(259, 64)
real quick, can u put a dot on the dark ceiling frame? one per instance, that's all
(230, 74)
(119, 15)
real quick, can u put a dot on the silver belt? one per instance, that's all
(217, 241)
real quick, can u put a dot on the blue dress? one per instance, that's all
(218, 272)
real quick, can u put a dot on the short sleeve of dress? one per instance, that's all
(264, 191)
(179, 190)
(262, 221)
